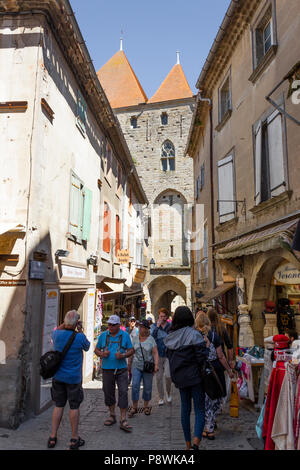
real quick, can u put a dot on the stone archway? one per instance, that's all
(163, 289)
(260, 288)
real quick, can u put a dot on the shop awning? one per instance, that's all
(270, 239)
(115, 287)
(220, 290)
(11, 227)
(131, 294)
(110, 285)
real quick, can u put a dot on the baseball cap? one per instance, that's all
(114, 320)
(132, 318)
(144, 323)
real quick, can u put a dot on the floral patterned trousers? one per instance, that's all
(212, 409)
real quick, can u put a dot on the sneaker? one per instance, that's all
(169, 398)
(161, 402)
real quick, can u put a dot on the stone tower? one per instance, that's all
(156, 131)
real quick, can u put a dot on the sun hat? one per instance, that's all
(144, 323)
(114, 320)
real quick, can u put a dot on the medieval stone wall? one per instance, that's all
(145, 142)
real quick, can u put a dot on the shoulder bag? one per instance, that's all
(50, 362)
(148, 365)
(210, 380)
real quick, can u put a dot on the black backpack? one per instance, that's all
(51, 360)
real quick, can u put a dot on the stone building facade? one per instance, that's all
(245, 142)
(156, 132)
(67, 196)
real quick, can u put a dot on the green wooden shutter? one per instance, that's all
(75, 207)
(87, 213)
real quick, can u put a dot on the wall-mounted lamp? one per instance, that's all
(152, 263)
(62, 253)
(93, 260)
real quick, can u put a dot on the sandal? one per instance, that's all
(52, 442)
(124, 426)
(76, 443)
(132, 412)
(110, 421)
(211, 436)
(147, 410)
(204, 434)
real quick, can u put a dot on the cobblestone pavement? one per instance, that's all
(159, 431)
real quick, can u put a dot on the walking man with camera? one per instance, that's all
(67, 382)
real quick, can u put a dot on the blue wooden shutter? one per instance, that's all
(87, 213)
(75, 220)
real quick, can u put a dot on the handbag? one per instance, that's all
(211, 382)
(148, 365)
(50, 361)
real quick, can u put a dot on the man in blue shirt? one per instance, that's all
(159, 331)
(114, 346)
(66, 383)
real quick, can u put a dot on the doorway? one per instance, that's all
(71, 301)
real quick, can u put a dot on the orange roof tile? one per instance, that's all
(174, 87)
(120, 82)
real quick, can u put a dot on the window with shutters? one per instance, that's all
(225, 105)
(119, 180)
(168, 156)
(226, 186)
(109, 164)
(118, 235)
(80, 210)
(270, 177)
(81, 112)
(264, 39)
(106, 228)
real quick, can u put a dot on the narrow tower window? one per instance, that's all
(133, 122)
(164, 119)
(168, 156)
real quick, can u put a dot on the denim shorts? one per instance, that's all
(62, 392)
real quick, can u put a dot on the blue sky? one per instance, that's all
(153, 31)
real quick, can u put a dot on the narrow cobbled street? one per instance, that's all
(159, 431)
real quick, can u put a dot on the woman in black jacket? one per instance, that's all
(186, 351)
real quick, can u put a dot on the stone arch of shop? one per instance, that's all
(163, 290)
(260, 288)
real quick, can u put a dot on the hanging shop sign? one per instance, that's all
(139, 276)
(123, 256)
(287, 274)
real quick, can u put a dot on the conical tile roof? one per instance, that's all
(120, 82)
(174, 87)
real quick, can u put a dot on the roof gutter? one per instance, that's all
(226, 21)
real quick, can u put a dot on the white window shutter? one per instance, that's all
(226, 189)
(275, 143)
(258, 150)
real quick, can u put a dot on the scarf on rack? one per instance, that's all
(274, 389)
(282, 430)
